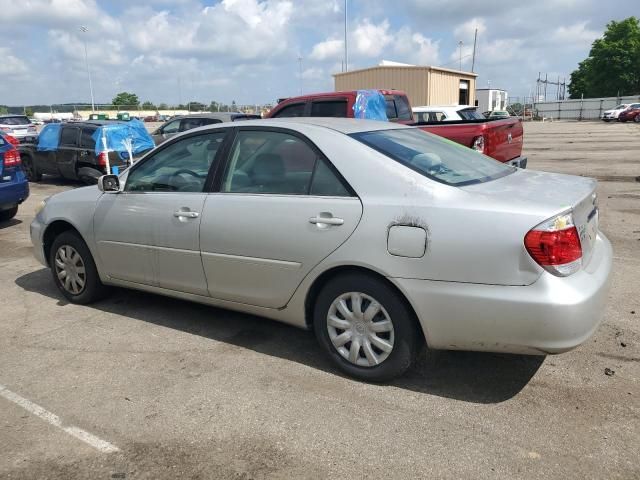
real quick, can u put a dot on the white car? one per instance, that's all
(446, 113)
(380, 237)
(614, 113)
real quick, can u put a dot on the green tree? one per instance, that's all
(163, 106)
(613, 65)
(148, 106)
(234, 107)
(3, 110)
(28, 111)
(126, 99)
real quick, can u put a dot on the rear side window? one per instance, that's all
(296, 110)
(69, 137)
(86, 140)
(210, 121)
(16, 120)
(278, 163)
(392, 114)
(189, 123)
(470, 114)
(430, 117)
(334, 108)
(402, 107)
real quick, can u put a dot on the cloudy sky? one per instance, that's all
(248, 50)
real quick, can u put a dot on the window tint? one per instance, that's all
(438, 159)
(69, 137)
(189, 123)
(391, 107)
(430, 116)
(210, 121)
(181, 167)
(278, 163)
(470, 114)
(171, 127)
(296, 110)
(402, 107)
(327, 183)
(17, 120)
(334, 108)
(86, 140)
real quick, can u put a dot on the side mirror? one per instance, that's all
(109, 183)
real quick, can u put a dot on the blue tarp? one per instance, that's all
(370, 105)
(118, 133)
(49, 137)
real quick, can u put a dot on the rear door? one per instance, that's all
(280, 210)
(68, 151)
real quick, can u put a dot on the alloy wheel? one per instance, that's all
(360, 329)
(70, 269)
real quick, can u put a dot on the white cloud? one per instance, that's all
(466, 31)
(10, 65)
(413, 47)
(576, 35)
(329, 49)
(370, 39)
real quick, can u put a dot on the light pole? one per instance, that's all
(346, 51)
(460, 47)
(83, 29)
(300, 68)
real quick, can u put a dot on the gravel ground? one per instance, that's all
(187, 391)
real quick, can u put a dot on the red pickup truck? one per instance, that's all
(499, 139)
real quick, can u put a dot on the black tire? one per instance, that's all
(408, 340)
(636, 119)
(33, 175)
(6, 215)
(93, 288)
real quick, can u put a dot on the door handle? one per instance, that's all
(326, 220)
(186, 214)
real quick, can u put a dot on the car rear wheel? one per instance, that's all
(6, 215)
(636, 119)
(366, 327)
(74, 271)
(33, 175)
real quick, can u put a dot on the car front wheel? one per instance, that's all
(366, 327)
(74, 271)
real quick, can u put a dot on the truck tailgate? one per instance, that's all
(503, 139)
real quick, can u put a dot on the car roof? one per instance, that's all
(342, 125)
(216, 115)
(342, 93)
(430, 108)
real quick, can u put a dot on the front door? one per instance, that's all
(68, 151)
(149, 233)
(281, 210)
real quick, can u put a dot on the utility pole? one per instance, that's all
(460, 48)
(300, 68)
(346, 51)
(83, 29)
(473, 58)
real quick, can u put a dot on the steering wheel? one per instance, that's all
(187, 171)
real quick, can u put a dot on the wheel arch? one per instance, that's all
(328, 275)
(54, 229)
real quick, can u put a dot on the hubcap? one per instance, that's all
(360, 329)
(70, 269)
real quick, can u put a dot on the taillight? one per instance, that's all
(12, 140)
(555, 245)
(11, 158)
(102, 159)
(478, 144)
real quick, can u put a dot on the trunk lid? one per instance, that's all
(543, 195)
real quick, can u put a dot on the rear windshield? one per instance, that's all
(436, 158)
(470, 114)
(17, 120)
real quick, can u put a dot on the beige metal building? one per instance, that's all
(424, 85)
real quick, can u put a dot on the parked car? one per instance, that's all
(446, 113)
(378, 236)
(630, 114)
(497, 114)
(18, 126)
(499, 139)
(182, 123)
(74, 156)
(14, 186)
(612, 114)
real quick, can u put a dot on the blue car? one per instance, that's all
(14, 186)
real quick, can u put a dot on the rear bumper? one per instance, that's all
(520, 162)
(552, 315)
(13, 192)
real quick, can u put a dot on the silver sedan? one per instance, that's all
(379, 237)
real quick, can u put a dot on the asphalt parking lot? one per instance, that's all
(178, 390)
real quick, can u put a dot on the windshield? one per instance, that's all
(434, 157)
(470, 114)
(17, 120)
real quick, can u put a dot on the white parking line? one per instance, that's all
(53, 419)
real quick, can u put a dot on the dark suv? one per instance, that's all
(74, 156)
(183, 123)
